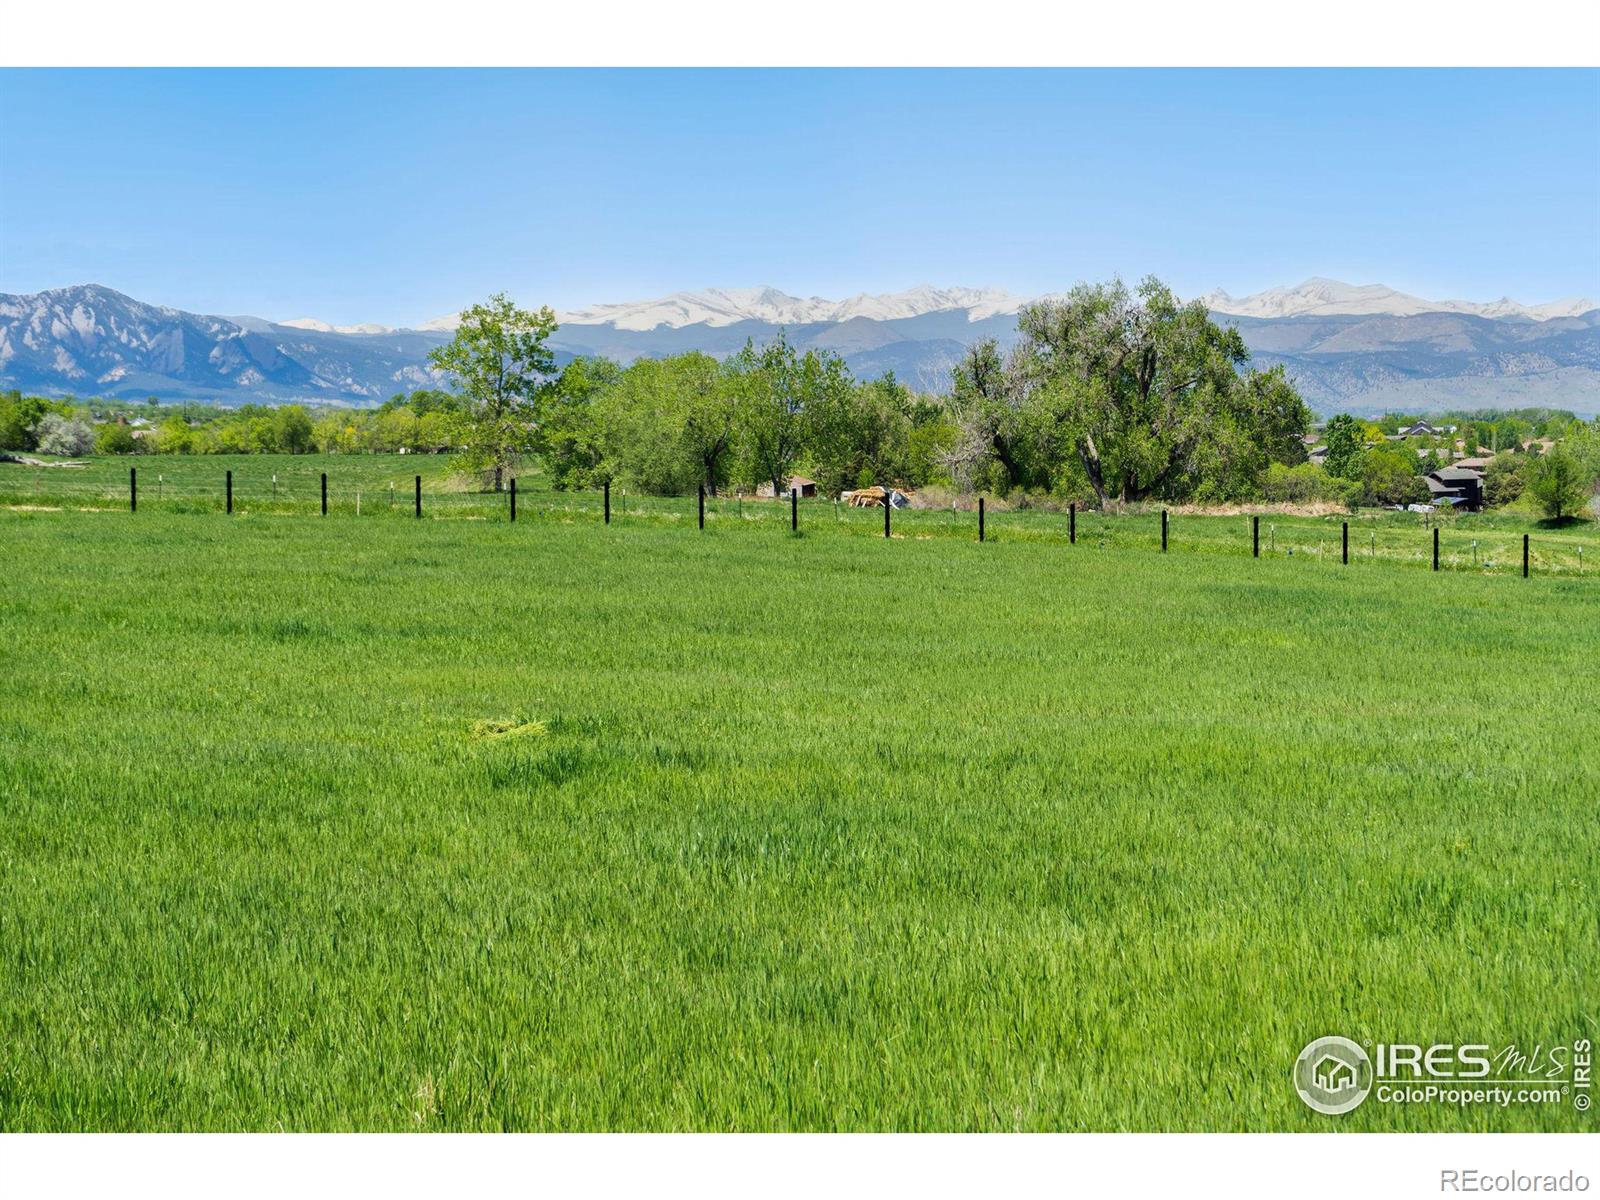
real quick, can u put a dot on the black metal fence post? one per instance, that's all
(702, 506)
(230, 491)
(1255, 537)
(324, 493)
(133, 489)
(1435, 547)
(1524, 556)
(886, 509)
(513, 499)
(606, 490)
(1163, 531)
(1072, 524)
(794, 510)
(419, 495)
(980, 518)
(1344, 538)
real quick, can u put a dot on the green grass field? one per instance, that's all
(383, 486)
(813, 832)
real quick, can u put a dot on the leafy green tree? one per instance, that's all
(1510, 433)
(993, 408)
(638, 426)
(569, 438)
(438, 430)
(292, 432)
(775, 390)
(19, 419)
(1502, 479)
(1557, 484)
(929, 443)
(706, 415)
(1136, 376)
(1345, 441)
(860, 435)
(1388, 476)
(1133, 393)
(500, 364)
(394, 429)
(1279, 417)
(114, 438)
(1583, 443)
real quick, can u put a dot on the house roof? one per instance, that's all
(1457, 475)
(1473, 464)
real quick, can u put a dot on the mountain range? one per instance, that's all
(1359, 348)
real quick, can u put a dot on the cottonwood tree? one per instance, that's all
(499, 362)
(861, 435)
(640, 429)
(570, 438)
(776, 391)
(707, 416)
(987, 399)
(1135, 393)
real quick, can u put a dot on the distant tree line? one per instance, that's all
(419, 421)
(1110, 395)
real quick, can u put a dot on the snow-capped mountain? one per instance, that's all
(1333, 298)
(317, 326)
(93, 341)
(1346, 347)
(718, 307)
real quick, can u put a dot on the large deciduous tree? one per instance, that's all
(570, 437)
(1345, 441)
(499, 362)
(1133, 392)
(778, 393)
(861, 435)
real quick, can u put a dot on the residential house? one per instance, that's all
(1456, 486)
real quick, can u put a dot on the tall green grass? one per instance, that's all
(808, 832)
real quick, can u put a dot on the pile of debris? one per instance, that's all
(27, 461)
(876, 497)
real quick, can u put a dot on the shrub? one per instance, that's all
(1390, 477)
(114, 438)
(66, 436)
(1301, 484)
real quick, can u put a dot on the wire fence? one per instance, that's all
(1450, 544)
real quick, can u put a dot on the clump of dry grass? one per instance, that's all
(426, 1101)
(498, 729)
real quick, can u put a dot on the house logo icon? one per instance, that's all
(1333, 1075)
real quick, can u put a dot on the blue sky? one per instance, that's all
(395, 196)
